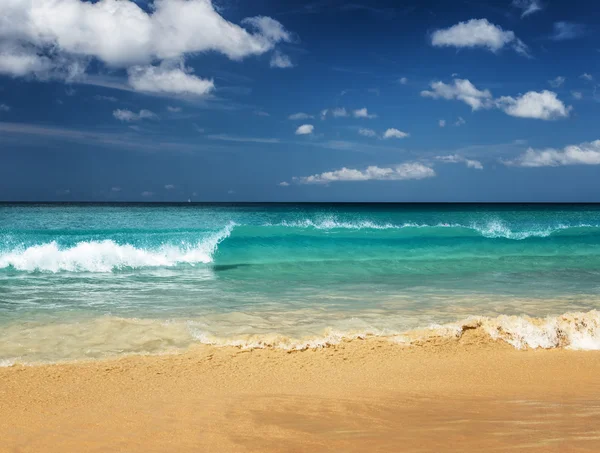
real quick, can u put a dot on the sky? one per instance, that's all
(318, 100)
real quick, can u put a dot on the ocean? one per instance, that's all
(88, 281)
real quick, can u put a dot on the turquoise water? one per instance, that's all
(87, 281)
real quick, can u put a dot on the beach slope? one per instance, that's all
(459, 395)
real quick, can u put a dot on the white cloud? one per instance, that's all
(173, 109)
(363, 113)
(477, 33)
(395, 133)
(115, 189)
(300, 116)
(4, 108)
(555, 83)
(305, 129)
(17, 60)
(57, 38)
(128, 115)
(564, 31)
(586, 76)
(279, 60)
(261, 113)
(367, 132)
(460, 89)
(402, 80)
(460, 121)
(442, 123)
(105, 98)
(457, 159)
(404, 171)
(339, 112)
(233, 138)
(577, 95)
(582, 154)
(283, 184)
(168, 78)
(169, 186)
(528, 6)
(544, 106)
(147, 193)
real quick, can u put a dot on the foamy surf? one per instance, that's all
(110, 336)
(107, 255)
(576, 331)
(492, 229)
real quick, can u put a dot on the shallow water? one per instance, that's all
(88, 281)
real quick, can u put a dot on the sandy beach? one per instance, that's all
(443, 395)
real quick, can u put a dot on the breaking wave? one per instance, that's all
(491, 229)
(107, 255)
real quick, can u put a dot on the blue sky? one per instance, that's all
(299, 100)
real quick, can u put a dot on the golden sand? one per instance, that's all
(460, 395)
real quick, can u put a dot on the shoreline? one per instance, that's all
(145, 337)
(470, 393)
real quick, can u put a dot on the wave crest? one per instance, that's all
(107, 255)
(493, 229)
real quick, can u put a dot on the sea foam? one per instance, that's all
(577, 331)
(491, 229)
(107, 255)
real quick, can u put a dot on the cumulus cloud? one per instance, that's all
(305, 129)
(577, 95)
(557, 82)
(460, 121)
(168, 77)
(457, 159)
(173, 109)
(367, 132)
(543, 106)
(363, 113)
(586, 76)
(147, 193)
(4, 108)
(563, 31)
(395, 133)
(169, 186)
(261, 113)
(300, 116)
(129, 116)
(477, 33)
(462, 90)
(404, 171)
(57, 38)
(280, 60)
(402, 80)
(442, 123)
(582, 154)
(528, 6)
(283, 184)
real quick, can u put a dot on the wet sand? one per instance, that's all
(444, 395)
